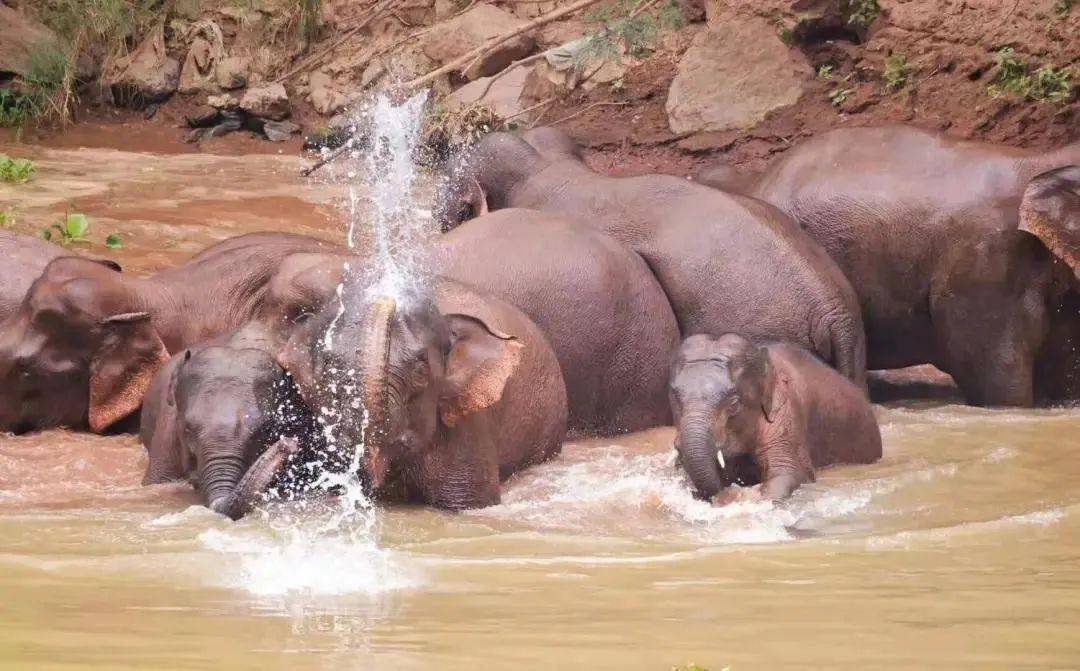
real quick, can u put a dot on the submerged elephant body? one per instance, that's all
(726, 263)
(964, 255)
(85, 342)
(771, 414)
(605, 315)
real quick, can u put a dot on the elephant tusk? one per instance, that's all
(673, 458)
(720, 459)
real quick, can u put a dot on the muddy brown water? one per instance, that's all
(959, 550)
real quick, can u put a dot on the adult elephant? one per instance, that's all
(604, 313)
(446, 391)
(24, 258)
(726, 263)
(964, 254)
(85, 342)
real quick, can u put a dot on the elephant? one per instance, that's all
(25, 257)
(445, 390)
(725, 262)
(604, 313)
(771, 414)
(84, 344)
(964, 255)
(225, 413)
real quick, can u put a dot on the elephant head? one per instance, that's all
(391, 376)
(722, 389)
(81, 350)
(1050, 210)
(482, 178)
(232, 403)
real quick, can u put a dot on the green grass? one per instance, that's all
(895, 72)
(617, 30)
(1046, 84)
(15, 170)
(1062, 7)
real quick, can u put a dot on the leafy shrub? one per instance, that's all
(1048, 83)
(15, 170)
(895, 72)
(838, 96)
(621, 27)
(73, 229)
(7, 217)
(861, 13)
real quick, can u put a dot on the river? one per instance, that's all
(959, 550)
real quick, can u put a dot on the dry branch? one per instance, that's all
(490, 45)
(376, 11)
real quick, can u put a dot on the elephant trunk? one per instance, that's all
(218, 477)
(373, 369)
(698, 451)
(236, 501)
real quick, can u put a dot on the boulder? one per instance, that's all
(733, 75)
(19, 37)
(502, 97)
(269, 102)
(232, 72)
(202, 116)
(146, 75)
(222, 102)
(205, 54)
(456, 37)
(324, 95)
(279, 131)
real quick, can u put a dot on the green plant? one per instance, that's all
(838, 96)
(1062, 7)
(309, 20)
(689, 667)
(7, 217)
(895, 72)
(824, 71)
(786, 34)
(626, 26)
(861, 13)
(1047, 84)
(15, 170)
(71, 230)
(112, 241)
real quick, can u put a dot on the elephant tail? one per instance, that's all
(842, 343)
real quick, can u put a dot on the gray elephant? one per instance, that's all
(225, 415)
(24, 258)
(964, 255)
(448, 391)
(86, 340)
(726, 263)
(602, 310)
(771, 414)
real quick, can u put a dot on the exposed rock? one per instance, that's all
(561, 71)
(19, 36)
(232, 72)
(733, 75)
(324, 96)
(147, 75)
(222, 102)
(269, 101)
(228, 125)
(459, 35)
(202, 116)
(502, 97)
(279, 131)
(205, 54)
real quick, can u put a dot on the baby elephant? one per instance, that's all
(768, 414)
(226, 415)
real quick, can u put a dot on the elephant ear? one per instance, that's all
(123, 367)
(1050, 210)
(481, 361)
(756, 368)
(295, 358)
(167, 458)
(477, 199)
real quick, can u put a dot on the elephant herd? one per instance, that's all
(744, 309)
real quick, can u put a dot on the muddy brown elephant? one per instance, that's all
(85, 342)
(24, 259)
(725, 262)
(225, 415)
(597, 302)
(965, 255)
(771, 414)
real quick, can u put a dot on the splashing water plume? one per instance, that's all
(386, 231)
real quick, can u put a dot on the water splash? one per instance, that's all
(386, 238)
